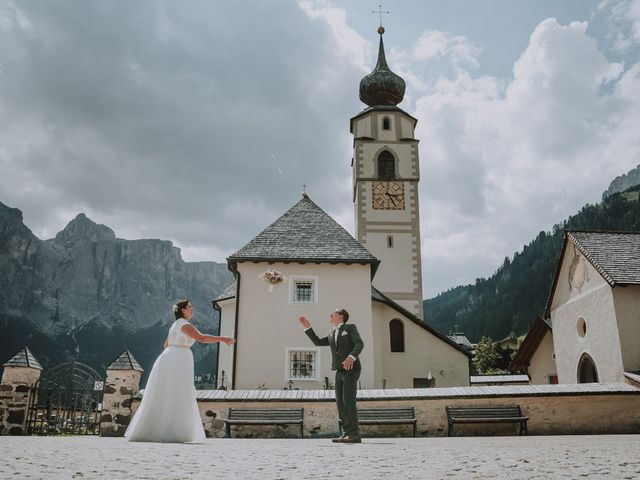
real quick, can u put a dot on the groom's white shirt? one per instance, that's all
(334, 331)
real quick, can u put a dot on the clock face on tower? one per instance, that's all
(388, 195)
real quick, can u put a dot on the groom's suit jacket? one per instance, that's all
(349, 343)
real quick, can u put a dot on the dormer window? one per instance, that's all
(386, 123)
(386, 165)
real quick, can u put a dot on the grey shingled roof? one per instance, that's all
(125, 361)
(305, 233)
(616, 255)
(24, 358)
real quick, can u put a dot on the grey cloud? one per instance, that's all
(154, 113)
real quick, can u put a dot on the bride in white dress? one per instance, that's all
(168, 411)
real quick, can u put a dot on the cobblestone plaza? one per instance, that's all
(533, 457)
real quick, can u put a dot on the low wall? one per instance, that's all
(552, 409)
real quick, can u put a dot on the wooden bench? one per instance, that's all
(386, 416)
(264, 416)
(487, 414)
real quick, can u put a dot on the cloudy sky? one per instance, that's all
(198, 121)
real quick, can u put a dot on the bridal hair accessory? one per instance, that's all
(273, 278)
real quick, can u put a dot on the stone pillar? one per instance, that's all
(20, 375)
(121, 385)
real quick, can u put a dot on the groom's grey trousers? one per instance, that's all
(346, 388)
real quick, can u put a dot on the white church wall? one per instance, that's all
(225, 356)
(590, 299)
(627, 309)
(392, 273)
(424, 352)
(542, 363)
(268, 322)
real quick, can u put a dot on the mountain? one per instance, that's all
(512, 297)
(623, 182)
(87, 294)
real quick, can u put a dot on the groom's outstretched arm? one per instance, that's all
(317, 341)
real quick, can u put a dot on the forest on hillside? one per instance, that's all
(510, 299)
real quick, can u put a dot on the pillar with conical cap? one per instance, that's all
(386, 173)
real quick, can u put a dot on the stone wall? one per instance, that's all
(552, 410)
(15, 393)
(119, 390)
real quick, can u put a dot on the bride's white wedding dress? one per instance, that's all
(168, 411)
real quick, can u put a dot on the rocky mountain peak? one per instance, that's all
(9, 213)
(622, 182)
(83, 229)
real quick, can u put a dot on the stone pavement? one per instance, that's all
(535, 457)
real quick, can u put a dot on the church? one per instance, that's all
(376, 276)
(590, 330)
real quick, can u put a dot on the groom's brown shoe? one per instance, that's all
(351, 439)
(339, 439)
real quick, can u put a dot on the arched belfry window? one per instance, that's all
(386, 123)
(386, 165)
(396, 335)
(587, 372)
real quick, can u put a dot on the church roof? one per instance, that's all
(614, 255)
(382, 86)
(24, 358)
(305, 233)
(125, 361)
(530, 344)
(378, 296)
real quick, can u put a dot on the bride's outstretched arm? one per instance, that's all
(198, 336)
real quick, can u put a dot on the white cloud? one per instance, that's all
(502, 161)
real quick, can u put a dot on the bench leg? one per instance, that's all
(450, 430)
(227, 430)
(523, 429)
(415, 427)
(301, 430)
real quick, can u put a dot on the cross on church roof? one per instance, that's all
(380, 12)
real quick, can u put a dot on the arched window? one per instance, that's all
(587, 372)
(396, 335)
(386, 165)
(386, 123)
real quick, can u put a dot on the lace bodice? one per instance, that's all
(176, 337)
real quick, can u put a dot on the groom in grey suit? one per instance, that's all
(346, 345)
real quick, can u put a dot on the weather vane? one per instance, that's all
(304, 188)
(380, 12)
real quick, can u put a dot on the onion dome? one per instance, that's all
(382, 86)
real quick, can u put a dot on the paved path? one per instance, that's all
(610, 456)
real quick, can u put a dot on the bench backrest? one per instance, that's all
(386, 413)
(266, 413)
(490, 411)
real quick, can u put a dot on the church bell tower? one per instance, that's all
(386, 172)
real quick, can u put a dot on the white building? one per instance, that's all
(377, 277)
(594, 308)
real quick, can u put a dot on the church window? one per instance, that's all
(386, 165)
(582, 327)
(302, 364)
(304, 290)
(396, 335)
(386, 123)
